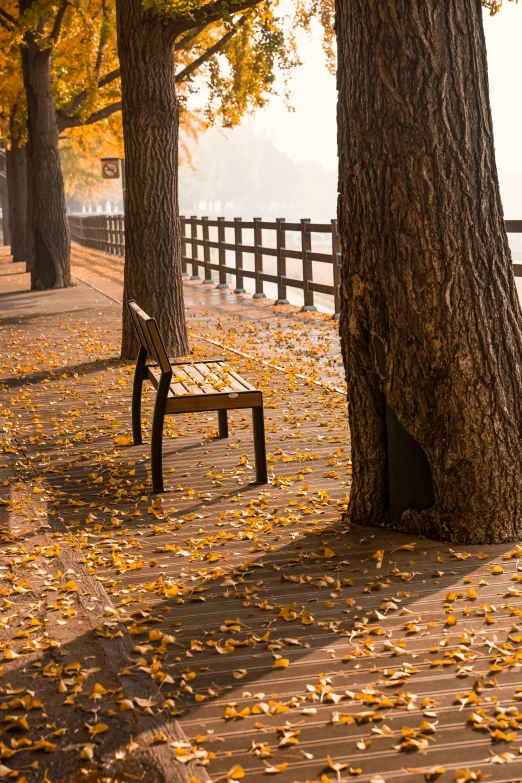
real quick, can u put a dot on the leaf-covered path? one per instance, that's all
(225, 630)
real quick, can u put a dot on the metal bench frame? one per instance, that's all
(168, 402)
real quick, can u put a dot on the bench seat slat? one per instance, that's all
(176, 389)
(236, 386)
(206, 382)
(216, 380)
(236, 382)
(183, 377)
(240, 379)
(179, 390)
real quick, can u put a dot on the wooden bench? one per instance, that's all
(189, 387)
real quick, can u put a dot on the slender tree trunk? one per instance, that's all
(17, 182)
(150, 131)
(29, 237)
(10, 197)
(431, 322)
(4, 203)
(50, 264)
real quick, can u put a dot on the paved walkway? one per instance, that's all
(244, 630)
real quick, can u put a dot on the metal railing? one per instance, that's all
(302, 256)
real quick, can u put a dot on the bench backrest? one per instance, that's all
(149, 336)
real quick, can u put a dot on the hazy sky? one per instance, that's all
(309, 133)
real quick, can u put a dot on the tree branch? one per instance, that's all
(210, 52)
(7, 16)
(103, 39)
(65, 122)
(187, 39)
(79, 99)
(6, 20)
(212, 12)
(109, 77)
(58, 21)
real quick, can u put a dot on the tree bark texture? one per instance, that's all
(4, 203)
(430, 321)
(50, 240)
(17, 183)
(150, 130)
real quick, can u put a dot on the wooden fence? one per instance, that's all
(100, 232)
(257, 250)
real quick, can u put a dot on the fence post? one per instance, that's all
(99, 233)
(281, 262)
(115, 238)
(258, 259)
(120, 228)
(122, 236)
(194, 235)
(336, 256)
(183, 228)
(308, 274)
(238, 239)
(222, 254)
(206, 252)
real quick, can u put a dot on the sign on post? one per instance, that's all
(110, 168)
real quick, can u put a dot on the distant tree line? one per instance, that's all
(251, 175)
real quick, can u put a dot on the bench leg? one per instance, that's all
(139, 377)
(258, 421)
(223, 424)
(156, 446)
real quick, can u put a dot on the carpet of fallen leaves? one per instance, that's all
(282, 642)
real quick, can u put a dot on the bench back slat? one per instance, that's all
(140, 331)
(158, 347)
(149, 336)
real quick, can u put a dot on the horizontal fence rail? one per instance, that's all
(260, 251)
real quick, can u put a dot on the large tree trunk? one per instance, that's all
(150, 131)
(50, 265)
(17, 182)
(431, 322)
